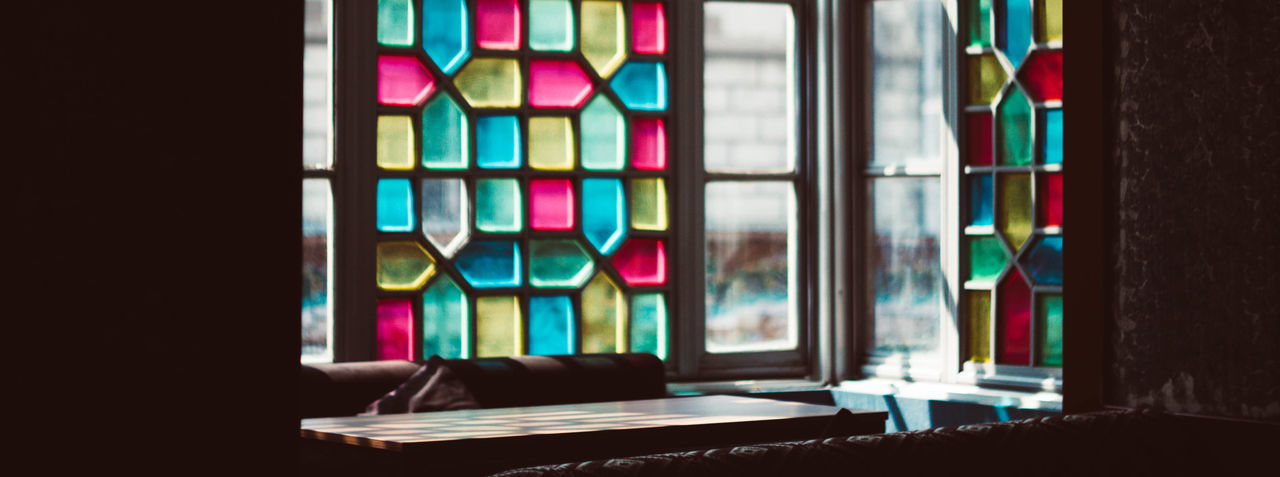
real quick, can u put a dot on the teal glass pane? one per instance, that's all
(1045, 261)
(1051, 131)
(445, 141)
(604, 215)
(395, 22)
(551, 325)
(550, 25)
(1049, 329)
(642, 85)
(395, 205)
(604, 133)
(1013, 33)
(649, 324)
(490, 264)
(445, 320)
(980, 201)
(445, 35)
(498, 205)
(986, 258)
(1013, 129)
(558, 263)
(498, 144)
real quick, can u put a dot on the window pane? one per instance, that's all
(751, 266)
(317, 66)
(317, 228)
(906, 83)
(905, 264)
(749, 87)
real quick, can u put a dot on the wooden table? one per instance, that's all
(481, 441)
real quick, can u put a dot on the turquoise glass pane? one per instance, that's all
(1045, 261)
(445, 35)
(490, 264)
(498, 205)
(980, 201)
(558, 263)
(1013, 36)
(1051, 145)
(550, 25)
(1049, 329)
(498, 144)
(642, 85)
(603, 213)
(445, 141)
(550, 325)
(445, 320)
(395, 205)
(649, 324)
(395, 22)
(604, 133)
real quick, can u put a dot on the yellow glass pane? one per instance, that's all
(395, 143)
(490, 83)
(550, 143)
(498, 325)
(1048, 20)
(649, 203)
(1014, 216)
(603, 35)
(604, 317)
(403, 265)
(979, 325)
(986, 76)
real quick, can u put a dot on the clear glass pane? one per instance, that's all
(906, 88)
(749, 87)
(317, 254)
(317, 70)
(446, 217)
(751, 266)
(904, 257)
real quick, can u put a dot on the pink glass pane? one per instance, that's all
(551, 204)
(1050, 201)
(395, 327)
(498, 24)
(1015, 320)
(403, 81)
(642, 262)
(648, 28)
(649, 144)
(979, 139)
(557, 84)
(1042, 75)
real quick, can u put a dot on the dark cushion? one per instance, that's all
(541, 380)
(344, 389)
(434, 387)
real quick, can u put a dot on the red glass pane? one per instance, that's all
(403, 81)
(557, 84)
(642, 262)
(395, 329)
(648, 28)
(979, 126)
(1042, 75)
(1050, 201)
(551, 204)
(649, 144)
(1015, 320)
(498, 24)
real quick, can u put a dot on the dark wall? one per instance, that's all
(1196, 185)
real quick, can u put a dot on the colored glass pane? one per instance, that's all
(986, 258)
(402, 81)
(498, 205)
(642, 262)
(1049, 330)
(551, 204)
(980, 200)
(1049, 202)
(1013, 129)
(1013, 31)
(603, 213)
(550, 143)
(445, 214)
(604, 316)
(395, 205)
(1013, 213)
(560, 263)
(986, 76)
(395, 325)
(557, 84)
(395, 143)
(1044, 262)
(1048, 20)
(550, 25)
(445, 135)
(490, 83)
(1042, 75)
(446, 320)
(649, 203)
(551, 325)
(445, 33)
(603, 35)
(498, 24)
(642, 86)
(395, 22)
(604, 136)
(979, 126)
(1051, 132)
(498, 143)
(1014, 320)
(649, 324)
(403, 265)
(648, 144)
(648, 28)
(498, 326)
(979, 22)
(490, 264)
(979, 319)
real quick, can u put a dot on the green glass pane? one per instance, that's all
(1049, 330)
(498, 205)
(550, 143)
(395, 22)
(986, 76)
(446, 322)
(986, 258)
(403, 265)
(1013, 129)
(604, 316)
(649, 203)
(979, 320)
(649, 324)
(558, 263)
(1014, 214)
(490, 83)
(604, 133)
(395, 143)
(498, 325)
(445, 135)
(1048, 20)
(603, 35)
(979, 22)
(550, 25)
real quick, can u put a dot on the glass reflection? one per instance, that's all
(905, 265)
(906, 83)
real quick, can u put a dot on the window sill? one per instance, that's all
(950, 392)
(744, 386)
